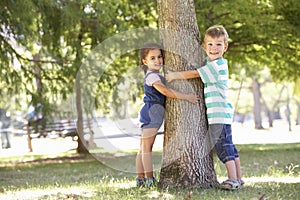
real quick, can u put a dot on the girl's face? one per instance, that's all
(214, 47)
(154, 60)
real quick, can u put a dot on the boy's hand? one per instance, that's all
(171, 76)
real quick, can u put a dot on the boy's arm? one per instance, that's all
(171, 76)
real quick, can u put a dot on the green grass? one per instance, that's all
(270, 170)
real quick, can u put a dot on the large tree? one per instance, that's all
(187, 157)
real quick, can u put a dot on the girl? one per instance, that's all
(152, 113)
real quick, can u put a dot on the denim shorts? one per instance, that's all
(221, 138)
(152, 115)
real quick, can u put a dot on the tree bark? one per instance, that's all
(187, 157)
(257, 104)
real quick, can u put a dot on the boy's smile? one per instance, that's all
(214, 47)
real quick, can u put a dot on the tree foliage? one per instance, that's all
(263, 33)
(54, 36)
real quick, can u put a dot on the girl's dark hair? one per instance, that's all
(144, 52)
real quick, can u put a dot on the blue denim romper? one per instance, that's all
(153, 112)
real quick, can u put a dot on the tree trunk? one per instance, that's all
(79, 124)
(288, 110)
(268, 112)
(271, 113)
(28, 137)
(257, 104)
(187, 157)
(40, 97)
(298, 113)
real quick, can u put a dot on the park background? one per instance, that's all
(43, 49)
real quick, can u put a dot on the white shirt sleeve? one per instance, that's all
(152, 78)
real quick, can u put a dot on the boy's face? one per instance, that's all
(214, 47)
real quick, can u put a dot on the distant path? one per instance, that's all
(242, 134)
(246, 134)
(107, 139)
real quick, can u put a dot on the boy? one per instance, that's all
(214, 75)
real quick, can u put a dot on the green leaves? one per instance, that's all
(262, 33)
(63, 33)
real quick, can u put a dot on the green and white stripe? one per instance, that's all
(214, 75)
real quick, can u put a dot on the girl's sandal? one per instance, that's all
(140, 182)
(230, 184)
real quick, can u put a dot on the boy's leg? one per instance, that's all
(227, 153)
(232, 182)
(238, 168)
(231, 169)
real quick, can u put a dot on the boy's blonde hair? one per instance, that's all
(217, 31)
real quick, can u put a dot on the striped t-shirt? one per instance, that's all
(214, 75)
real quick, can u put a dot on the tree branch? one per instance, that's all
(20, 57)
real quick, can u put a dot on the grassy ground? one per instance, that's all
(269, 170)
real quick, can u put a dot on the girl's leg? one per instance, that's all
(148, 138)
(139, 163)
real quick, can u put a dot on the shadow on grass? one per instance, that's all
(267, 171)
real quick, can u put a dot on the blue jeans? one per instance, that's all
(221, 137)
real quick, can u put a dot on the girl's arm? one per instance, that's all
(168, 92)
(170, 76)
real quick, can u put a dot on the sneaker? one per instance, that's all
(140, 182)
(150, 182)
